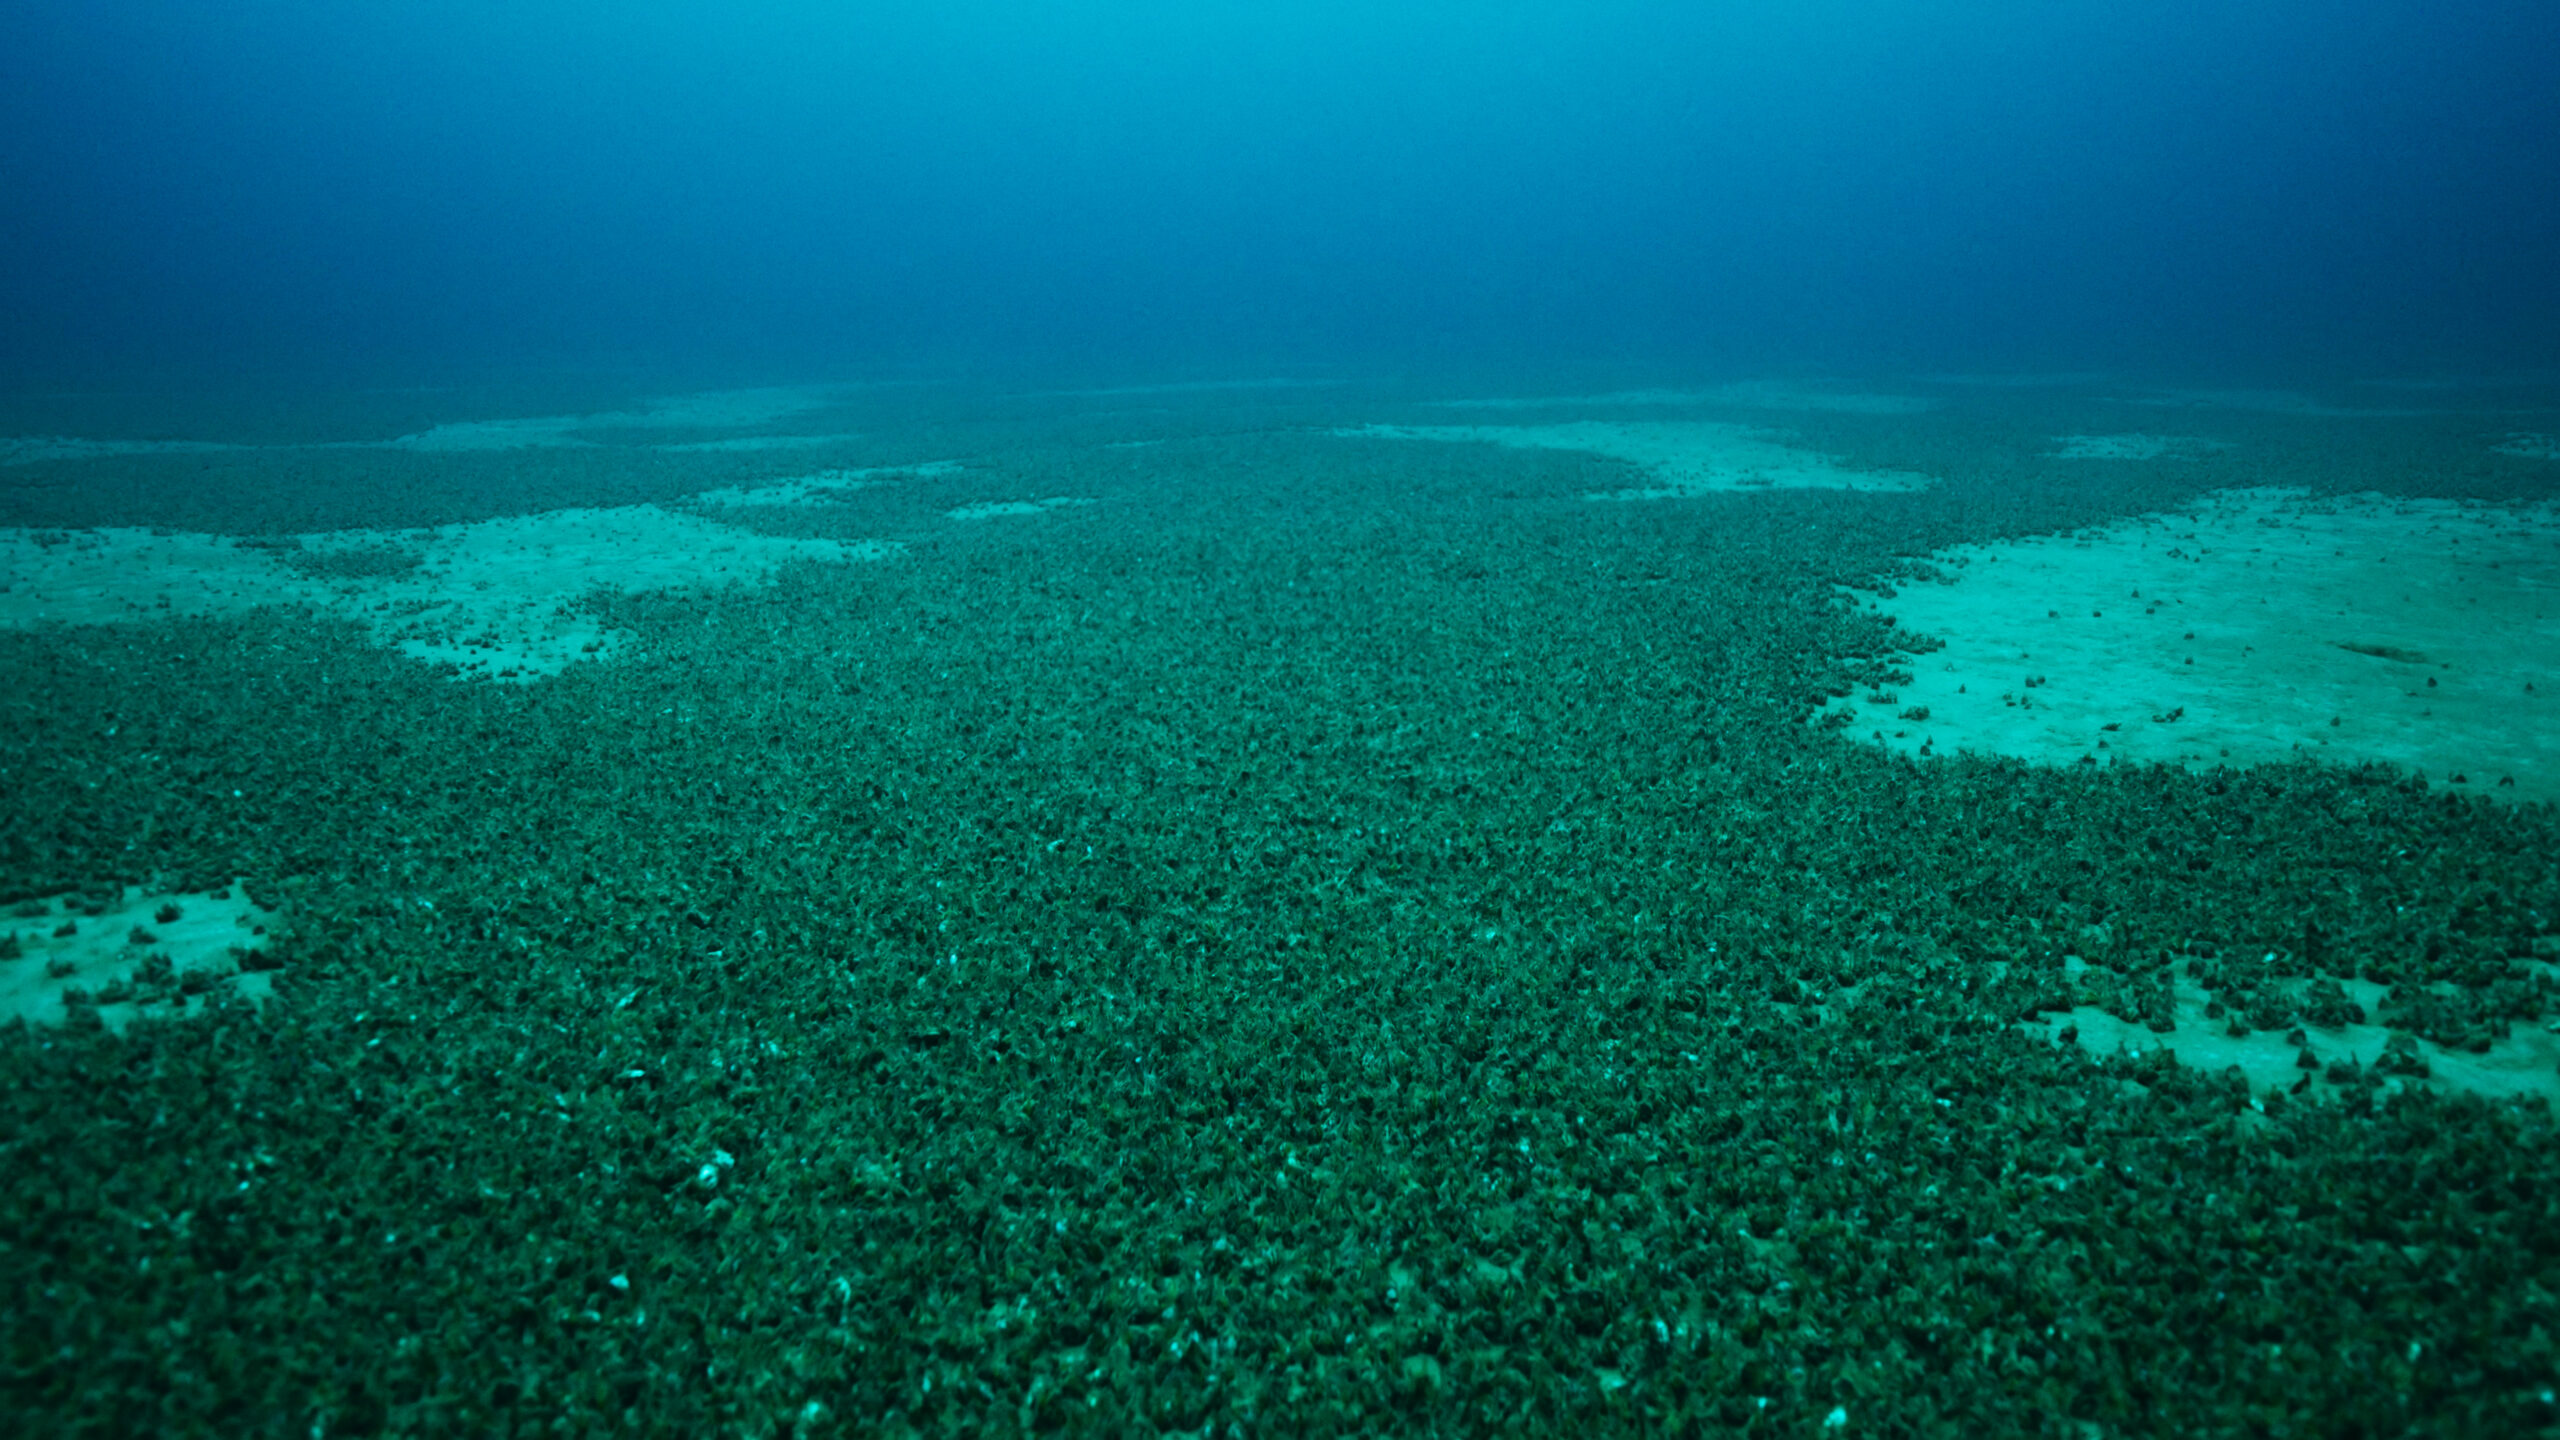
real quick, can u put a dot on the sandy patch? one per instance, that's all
(2313, 1057)
(32, 449)
(2022, 379)
(712, 409)
(1196, 387)
(534, 432)
(2257, 626)
(992, 509)
(2531, 445)
(707, 410)
(2131, 447)
(826, 487)
(2456, 384)
(498, 598)
(132, 955)
(756, 442)
(1746, 394)
(2263, 402)
(1625, 398)
(1780, 395)
(1683, 457)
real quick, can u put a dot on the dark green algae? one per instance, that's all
(1333, 937)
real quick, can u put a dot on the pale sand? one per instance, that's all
(826, 487)
(1739, 394)
(2258, 626)
(33, 449)
(2132, 447)
(1683, 457)
(991, 509)
(496, 599)
(214, 945)
(2526, 1062)
(2263, 402)
(706, 410)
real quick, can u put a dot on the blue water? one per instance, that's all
(371, 190)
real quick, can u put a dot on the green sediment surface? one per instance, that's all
(1147, 913)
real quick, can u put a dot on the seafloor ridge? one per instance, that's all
(1315, 906)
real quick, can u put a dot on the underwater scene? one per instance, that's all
(1168, 724)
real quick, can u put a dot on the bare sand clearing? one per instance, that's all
(705, 410)
(1682, 457)
(2262, 402)
(134, 953)
(497, 598)
(2136, 446)
(36, 449)
(1739, 394)
(996, 509)
(2258, 626)
(2320, 1054)
(826, 487)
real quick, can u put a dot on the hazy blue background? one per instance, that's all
(2368, 185)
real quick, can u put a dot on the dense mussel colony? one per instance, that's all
(1332, 936)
